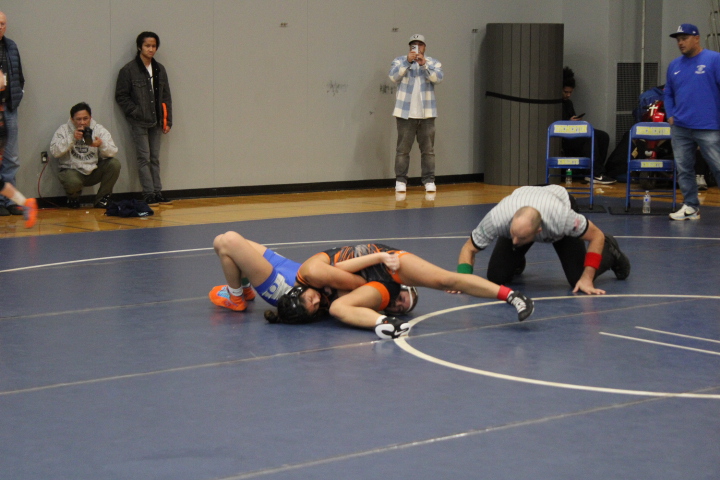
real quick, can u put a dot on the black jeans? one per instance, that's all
(580, 147)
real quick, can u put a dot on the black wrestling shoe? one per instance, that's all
(524, 305)
(388, 328)
(621, 265)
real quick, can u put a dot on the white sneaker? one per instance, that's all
(701, 183)
(400, 186)
(686, 213)
(430, 187)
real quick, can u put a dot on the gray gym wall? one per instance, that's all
(257, 103)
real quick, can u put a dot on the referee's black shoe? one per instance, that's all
(621, 263)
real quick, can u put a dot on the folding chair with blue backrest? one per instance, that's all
(651, 131)
(567, 130)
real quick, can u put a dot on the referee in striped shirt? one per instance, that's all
(545, 214)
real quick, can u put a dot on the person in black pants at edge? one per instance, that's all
(580, 147)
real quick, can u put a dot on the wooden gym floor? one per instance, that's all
(53, 221)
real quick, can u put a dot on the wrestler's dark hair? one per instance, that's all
(141, 39)
(290, 309)
(568, 78)
(79, 108)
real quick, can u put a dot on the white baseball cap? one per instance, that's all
(417, 38)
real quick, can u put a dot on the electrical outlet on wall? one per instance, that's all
(43, 157)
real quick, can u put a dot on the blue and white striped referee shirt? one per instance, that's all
(405, 73)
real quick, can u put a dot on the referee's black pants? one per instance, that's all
(506, 259)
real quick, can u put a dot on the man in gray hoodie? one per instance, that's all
(85, 152)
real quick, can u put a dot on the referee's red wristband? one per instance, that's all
(593, 260)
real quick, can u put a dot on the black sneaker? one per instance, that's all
(390, 327)
(621, 265)
(162, 200)
(604, 180)
(150, 199)
(73, 202)
(104, 202)
(524, 305)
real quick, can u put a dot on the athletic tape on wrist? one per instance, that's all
(465, 268)
(593, 260)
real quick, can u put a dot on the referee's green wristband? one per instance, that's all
(465, 268)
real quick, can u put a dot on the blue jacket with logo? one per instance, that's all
(692, 91)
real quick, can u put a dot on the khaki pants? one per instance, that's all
(106, 174)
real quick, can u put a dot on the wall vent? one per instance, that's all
(628, 93)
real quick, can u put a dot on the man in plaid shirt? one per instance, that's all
(415, 111)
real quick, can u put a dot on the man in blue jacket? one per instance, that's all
(10, 97)
(692, 106)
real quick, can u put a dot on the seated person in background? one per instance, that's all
(581, 147)
(85, 152)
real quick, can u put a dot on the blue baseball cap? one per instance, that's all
(685, 29)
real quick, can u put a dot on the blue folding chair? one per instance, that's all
(572, 129)
(649, 131)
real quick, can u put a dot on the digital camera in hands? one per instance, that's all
(88, 135)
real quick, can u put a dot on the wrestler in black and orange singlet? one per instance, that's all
(377, 276)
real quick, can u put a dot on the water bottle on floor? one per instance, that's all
(568, 178)
(646, 202)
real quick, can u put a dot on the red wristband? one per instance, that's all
(504, 292)
(593, 260)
